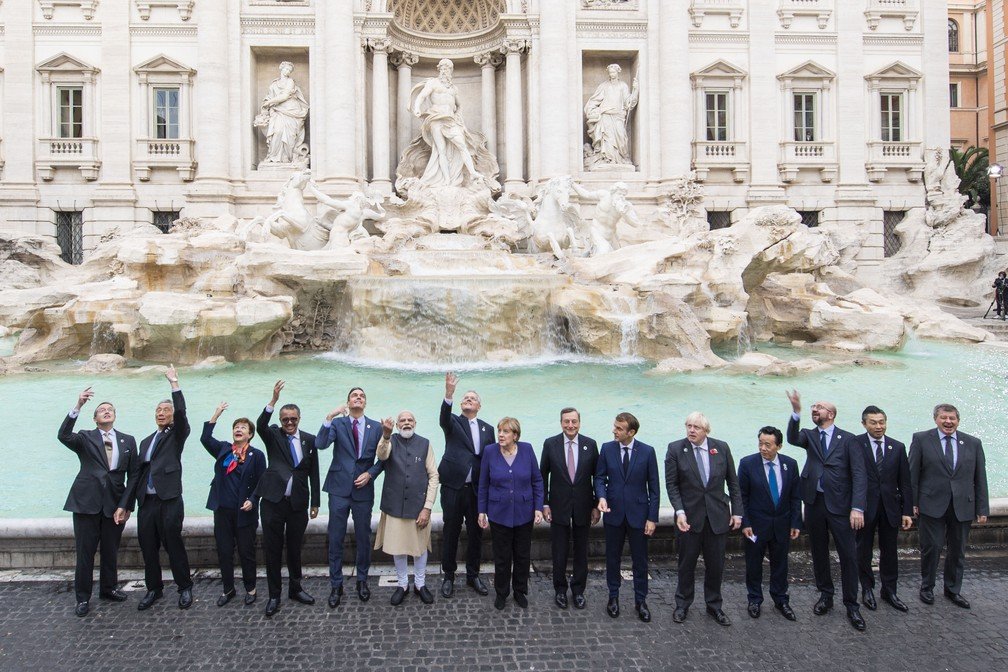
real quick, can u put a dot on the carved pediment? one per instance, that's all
(895, 72)
(65, 63)
(164, 65)
(808, 70)
(719, 71)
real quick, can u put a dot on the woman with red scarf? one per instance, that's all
(236, 509)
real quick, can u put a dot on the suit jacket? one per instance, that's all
(570, 502)
(843, 473)
(460, 454)
(252, 471)
(766, 520)
(346, 466)
(933, 485)
(98, 489)
(165, 466)
(703, 504)
(273, 483)
(632, 497)
(888, 481)
(510, 494)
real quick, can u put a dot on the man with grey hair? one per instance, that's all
(697, 470)
(948, 467)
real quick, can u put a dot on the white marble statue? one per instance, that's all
(607, 114)
(291, 220)
(557, 221)
(281, 119)
(944, 202)
(347, 216)
(612, 212)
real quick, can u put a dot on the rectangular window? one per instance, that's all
(71, 111)
(892, 117)
(805, 117)
(163, 219)
(718, 219)
(166, 113)
(954, 95)
(70, 236)
(809, 218)
(716, 108)
(890, 241)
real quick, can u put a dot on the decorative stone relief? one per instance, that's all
(944, 202)
(184, 7)
(609, 4)
(87, 7)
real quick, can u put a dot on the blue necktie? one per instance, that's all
(294, 457)
(822, 440)
(772, 477)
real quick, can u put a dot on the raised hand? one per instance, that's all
(220, 409)
(279, 385)
(171, 374)
(387, 424)
(795, 400)
(335, 413)
(450, 383)
(84, 397)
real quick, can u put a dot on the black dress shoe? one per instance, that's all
(895, 602)
(225, 598)
(926, 596)
(149, 599)
(363, 592)
(272, 606)
(448, 587)
(679, 615)
(302, 597)
(521, 600)
(854, 616)
(754, 610)
(398, 596)
(250, 598)
(579, 601)
(868, 599)
(643, 613)
(957, 599)
(499, 602)
(185, 599)
(426, 596)
(788, 613)
(561, 600)
(81, 609)
(335, 596)
(613, 607)
(476, 583)
(115, 595)
(719, 616)
(824, 604)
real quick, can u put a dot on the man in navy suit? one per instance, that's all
(834, 489)
(626, 484)
(465, 438)
(771, 518)
(350, 484)
(888, 509)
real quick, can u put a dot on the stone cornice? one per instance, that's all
(278, 25)
(66, 30)
(163, 30)
(806, 38)
(894, 40)
(718, 37)
(612, 28)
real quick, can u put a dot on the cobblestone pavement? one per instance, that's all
(39, 632)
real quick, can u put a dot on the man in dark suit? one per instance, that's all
(771, 518)
(626, 485)
(888, 509)
(159, 521)
(100, 498)
(465, 438)
(287, 486)
(834, 489)
(948, 477)
(350, 484)
(568, 468)
(697, 469)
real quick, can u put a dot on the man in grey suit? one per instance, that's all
(948, 478)
(697, 469)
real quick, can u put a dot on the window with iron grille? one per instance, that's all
(891, 243)
(953, 35)
(70, 236)
(809, 218)
(718, 219)
(163, 219)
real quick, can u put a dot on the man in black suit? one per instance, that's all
(287, 486)
(568, 468)
(465, 438)
(697, 470)
(100, 498)
(159, 522)
(834, 489)
(889, 504)
(948, 476)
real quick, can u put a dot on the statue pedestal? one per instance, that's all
(611, 168)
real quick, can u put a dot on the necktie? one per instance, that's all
(626, 459)
(356, 438)
(878, 452)
(774, 488)
(294, 458)
(949, 457)
(570, 459)
(150, 458)
(474, 432)
(108, 449)
(822, 442)
(700, 464)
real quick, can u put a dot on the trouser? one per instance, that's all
(754, 553)
(560, 536)
(933, 534)
(888, 561)
(512, 553)
(94, 532)
(821, 524)
(615, 536)
(159, 523)
(282, 525)
(1000, 301)
(459, 505)
(340, 508)
(228, 534)
(419, 570)
(690, 545)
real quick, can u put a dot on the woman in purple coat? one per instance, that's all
(510, 501)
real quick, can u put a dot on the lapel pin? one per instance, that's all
(713, 451)
(685, 450)
(784, 467)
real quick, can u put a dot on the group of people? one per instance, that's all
(853, 488)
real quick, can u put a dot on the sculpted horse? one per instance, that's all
(557, 220)
(291, 219)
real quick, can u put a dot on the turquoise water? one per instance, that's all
(38, 470)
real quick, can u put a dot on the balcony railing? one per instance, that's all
(732, 8)
(820, 9)
(883, 156)
(904, 10)
(708, 155)
(177, 154)
(796, 156)
(80, 153)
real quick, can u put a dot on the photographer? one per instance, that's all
(1001, 294)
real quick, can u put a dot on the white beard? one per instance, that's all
(406, 433)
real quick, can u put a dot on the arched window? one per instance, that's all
(953, 29)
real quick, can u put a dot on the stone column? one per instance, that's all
(765, 118)
(488, 63)
(556, 120)
(934, 125)
(514, 149)
(673, 69)
(339, 51)
(404, 62)
(380, 114)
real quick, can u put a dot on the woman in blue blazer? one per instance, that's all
(510, 501)
(236, 509)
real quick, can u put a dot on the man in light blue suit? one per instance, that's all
(350, 484)
(626, 484)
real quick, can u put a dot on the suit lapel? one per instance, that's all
(690, 454)
(763, 477)
(961, 449)
(466, 432)
(939, 451)
(563, 459)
